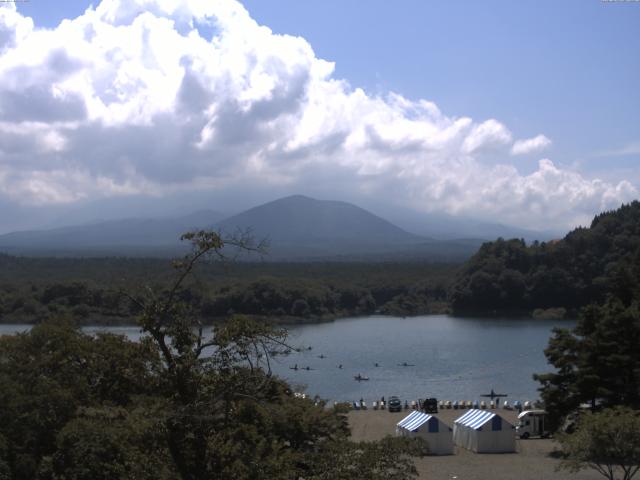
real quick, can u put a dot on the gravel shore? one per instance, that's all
(532, 460)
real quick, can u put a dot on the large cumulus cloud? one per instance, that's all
(131, 98)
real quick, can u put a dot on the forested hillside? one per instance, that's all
(89, 291)
(584, 267)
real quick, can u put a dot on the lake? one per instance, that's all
(454, 358)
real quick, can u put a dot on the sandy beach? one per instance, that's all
(530, 462)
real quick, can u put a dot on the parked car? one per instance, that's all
(395, 405)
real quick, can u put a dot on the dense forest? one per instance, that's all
(558, 277)
(90, 290)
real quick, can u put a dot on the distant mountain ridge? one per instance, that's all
(297, 227)
(300, 219)
(109, 236)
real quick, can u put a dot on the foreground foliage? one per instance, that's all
(608, 442)
(177, 405)
(597, 363)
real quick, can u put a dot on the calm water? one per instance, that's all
(454, 358)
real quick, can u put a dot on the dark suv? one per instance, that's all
(395, 405)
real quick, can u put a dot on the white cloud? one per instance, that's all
(530, 145)
(129, 98)
(487, 134)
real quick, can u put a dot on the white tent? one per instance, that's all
(482, 431)
(436, 433)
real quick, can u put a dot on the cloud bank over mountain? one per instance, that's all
(156, 97)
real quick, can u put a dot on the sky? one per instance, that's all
(525, 113)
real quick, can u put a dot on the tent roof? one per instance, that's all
(475, 418)
(414, 420)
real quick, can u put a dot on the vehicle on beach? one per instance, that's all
(394, 405)
(532, 423)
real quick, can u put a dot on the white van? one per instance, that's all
(532, 423)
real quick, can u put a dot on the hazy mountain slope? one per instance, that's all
(300, 220)
(131, 232)
(297, 228)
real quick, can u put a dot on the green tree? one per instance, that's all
(226, 415)
(598, 362)
(110, 443)
(387, 459)
(48, 373)
(607, 441)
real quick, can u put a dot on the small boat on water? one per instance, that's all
(405, 364)
(360, 377)
(493, 395)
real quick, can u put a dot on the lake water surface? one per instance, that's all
(454, 358)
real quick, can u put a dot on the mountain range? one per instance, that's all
(296, 227)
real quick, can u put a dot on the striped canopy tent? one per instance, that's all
(436, 433)
(483, 431)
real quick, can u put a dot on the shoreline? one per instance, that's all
(296, 321)
(533, 459)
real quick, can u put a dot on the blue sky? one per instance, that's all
(530, 103)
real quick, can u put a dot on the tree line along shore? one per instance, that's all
(505, 277)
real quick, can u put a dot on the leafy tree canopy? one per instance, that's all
(586, 266)
(607, 441)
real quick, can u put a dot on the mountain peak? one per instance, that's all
(298, 219)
